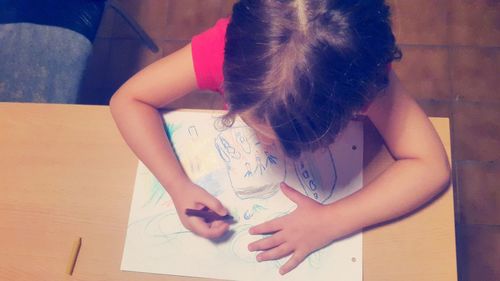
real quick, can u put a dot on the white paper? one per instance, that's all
(232, 165)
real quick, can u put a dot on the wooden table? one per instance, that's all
(65, 173)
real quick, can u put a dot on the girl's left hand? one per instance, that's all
(297, 234)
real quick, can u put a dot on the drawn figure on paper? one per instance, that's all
(317, 174)
(193, 132)
(256, 208)
(249, 164)
(248, 173)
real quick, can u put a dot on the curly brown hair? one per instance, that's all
(305, 67)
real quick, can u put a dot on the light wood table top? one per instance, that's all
(65, 172)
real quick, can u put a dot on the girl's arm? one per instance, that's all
(135, 109)
(421, 170)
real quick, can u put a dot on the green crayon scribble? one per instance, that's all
(170, 129)
(156, 193)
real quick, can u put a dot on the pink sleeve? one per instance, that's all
(208, 56)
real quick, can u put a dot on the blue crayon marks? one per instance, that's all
(254, 171)
(317, 174)
(171, 128)
(252, 211)
(271, 158)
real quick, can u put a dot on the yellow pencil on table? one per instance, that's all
(74, 255)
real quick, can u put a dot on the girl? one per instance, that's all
(296, 71)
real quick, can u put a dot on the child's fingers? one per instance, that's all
(267, 227)
(215, 205)
(199, 227)
(267, 243)
(219, 228)
(279, 252)
(292, 262)
(210, 231)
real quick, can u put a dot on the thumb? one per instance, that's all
(215, 205)
(292, 194)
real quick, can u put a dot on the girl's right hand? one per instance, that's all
(193, 196)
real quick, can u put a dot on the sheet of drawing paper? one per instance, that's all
(231, 164)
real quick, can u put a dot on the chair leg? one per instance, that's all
(146, 39)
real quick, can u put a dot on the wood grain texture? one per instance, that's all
(65, 172)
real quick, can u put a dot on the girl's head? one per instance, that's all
(305, 67)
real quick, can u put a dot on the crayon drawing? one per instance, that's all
(231, 164)
(247, 162)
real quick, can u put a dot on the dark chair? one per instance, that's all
(45, 45)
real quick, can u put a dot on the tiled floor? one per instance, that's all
(450, 65)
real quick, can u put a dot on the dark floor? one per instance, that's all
(451, 66)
